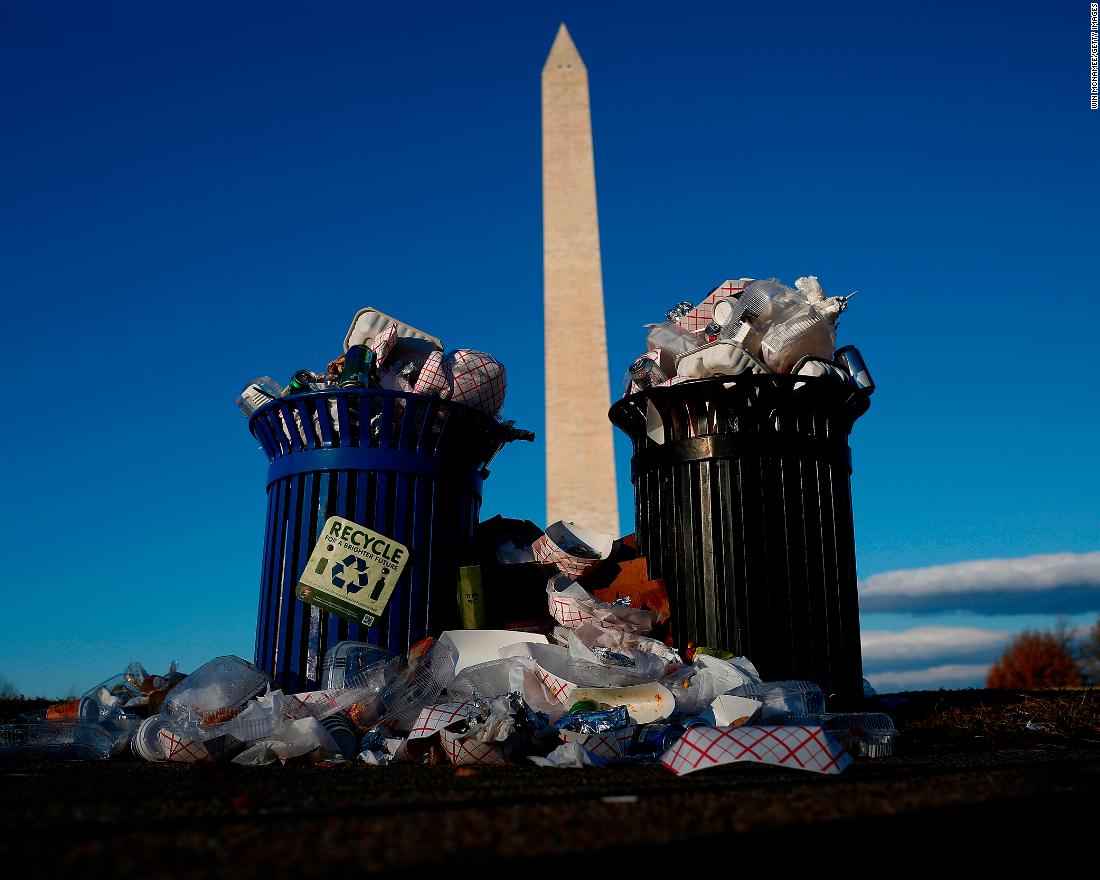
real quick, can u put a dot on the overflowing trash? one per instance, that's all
(595, 689)
(567, 658)
(385, 353)
(749, 326)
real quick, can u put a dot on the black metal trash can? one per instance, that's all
(406, 465)
(745, 510)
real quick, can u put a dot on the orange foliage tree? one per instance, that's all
(1036, 660)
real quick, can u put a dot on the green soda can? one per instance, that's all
(360, 367)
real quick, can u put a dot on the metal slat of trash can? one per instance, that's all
(415, 475)
(746, 511)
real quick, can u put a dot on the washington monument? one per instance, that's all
(580, 462)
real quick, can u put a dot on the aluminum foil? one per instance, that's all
(600, 721)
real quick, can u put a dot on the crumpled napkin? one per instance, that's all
(565, 756)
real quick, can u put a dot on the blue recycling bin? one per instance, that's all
(408, 466)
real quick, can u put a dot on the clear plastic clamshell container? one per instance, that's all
(863, 734)
(400, 702)
(869, 734)
(55, 742)
(215, 693)
(783, 697)
(347, 661)
(484, 680)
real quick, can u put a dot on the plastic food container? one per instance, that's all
(863, 734)
(216, 692)
(347, 661)
(782, 697)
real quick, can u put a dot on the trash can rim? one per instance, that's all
(821, 383)
(371, 392)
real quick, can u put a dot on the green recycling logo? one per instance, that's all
(350, 574)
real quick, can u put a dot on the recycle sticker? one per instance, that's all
(352, 571)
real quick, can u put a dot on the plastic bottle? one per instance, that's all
(257, 393)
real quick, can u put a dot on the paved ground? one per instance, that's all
(967, 771)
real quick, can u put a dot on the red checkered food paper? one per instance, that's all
(434, 378)
(477, 380)
(435, 718)
(546, 551)
(610, 744)
(473, 378)
(180, 748)
(798, 748)
(560, 538)
(382, 344)
(703, 313)
(569, 610)
(574, 606)
(558, 688)
(315, 703)
(464, 751)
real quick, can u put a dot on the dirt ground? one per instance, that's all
(967, 771)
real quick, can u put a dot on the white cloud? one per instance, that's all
(952, 675)
(924, 645)
(1049, 583)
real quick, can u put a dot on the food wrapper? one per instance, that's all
(645, 703)
(609, 745)
(573, 606)
(574, 549)
(566, 756)
(435, 718)
(597, 721)
(464, 750)
(434, 379)
(383, 344)
(561, 675)
(797, 748)
(477, 380)
(470, 377)
(180, 748)
(699, 317)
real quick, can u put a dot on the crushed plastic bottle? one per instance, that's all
(57, 742)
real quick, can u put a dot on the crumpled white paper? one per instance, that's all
(565, 756)
(392, 751)
(497, 727)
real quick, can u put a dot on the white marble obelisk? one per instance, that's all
(580, 461)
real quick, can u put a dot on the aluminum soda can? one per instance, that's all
(851, 361)
(646, 372)
(360, 367)
(300, 382)
(656, 738)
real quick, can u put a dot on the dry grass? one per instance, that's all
(1003, 716)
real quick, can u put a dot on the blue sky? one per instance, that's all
(196, 196)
